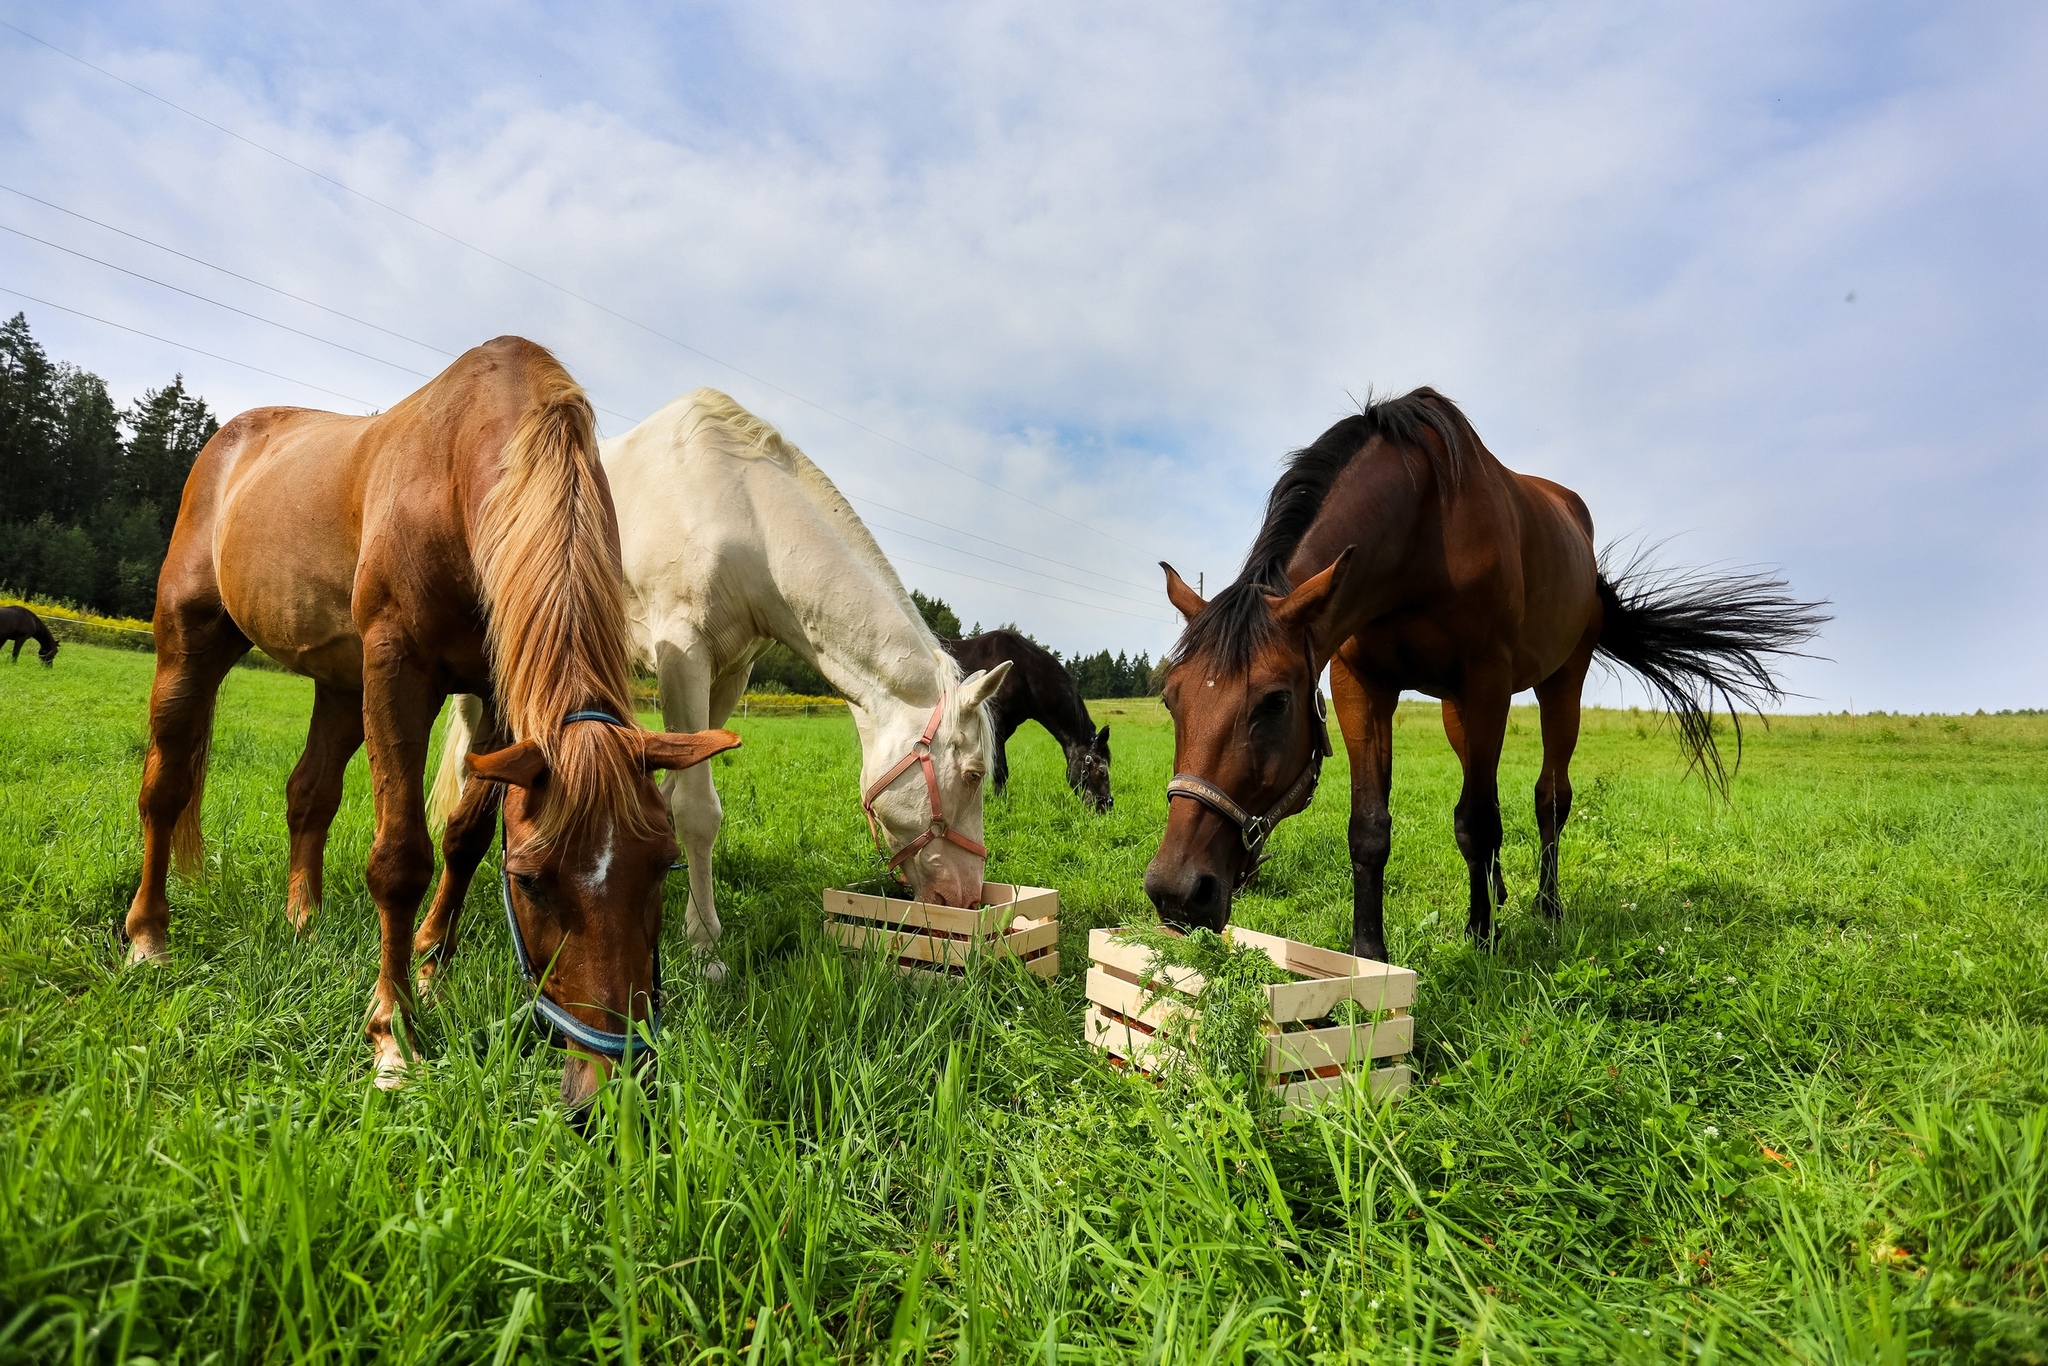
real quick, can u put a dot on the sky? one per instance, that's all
(1051, 289)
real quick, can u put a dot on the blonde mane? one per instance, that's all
(547, 554)
(736, 431)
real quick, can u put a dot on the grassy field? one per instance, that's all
(1777, 1088)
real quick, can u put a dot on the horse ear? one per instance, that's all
(520, 765)
(978, 688)
(678, 750)
(1307, 607)
(1102, 741)
(1185, 600)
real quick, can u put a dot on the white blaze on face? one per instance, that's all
(601, 869)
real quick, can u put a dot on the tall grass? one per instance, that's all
(1776, 1089)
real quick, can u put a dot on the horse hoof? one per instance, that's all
(390, 1073)
(713, 968)
(148, 948)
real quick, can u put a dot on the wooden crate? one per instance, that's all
(1307, 1056)
(1013, 922)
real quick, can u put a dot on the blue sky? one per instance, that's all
(1766, 279)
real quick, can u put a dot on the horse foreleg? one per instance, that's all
(1365, 714)
(399, 705)
(1477, 725)
(693, 805)
(1558, 697)
(463, 846)
(313, 795)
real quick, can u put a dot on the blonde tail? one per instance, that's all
(465, 715)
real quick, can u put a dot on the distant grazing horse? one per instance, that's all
(20, 626)
(1398, 551)
(1040, 689)
(734, 540)
(462, 540)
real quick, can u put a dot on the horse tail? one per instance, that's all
(547, 554)
(1695, 636)
(187, 849)
(465, 713)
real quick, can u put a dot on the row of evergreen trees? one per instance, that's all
(88, 491)
(1096, 675)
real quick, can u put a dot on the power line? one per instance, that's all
(1033, 591)
(162, 284)
(233, 274)
(182, 346)
(565, 290)
(1083, 569)
(1022, 569)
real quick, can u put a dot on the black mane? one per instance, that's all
(1237, 623)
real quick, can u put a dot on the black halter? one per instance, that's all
(546, 1016)
(1254, 830)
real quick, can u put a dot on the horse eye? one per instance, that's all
(529, 883)
(1273, 703)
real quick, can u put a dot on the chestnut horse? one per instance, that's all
(1400, 553)
(463, 541)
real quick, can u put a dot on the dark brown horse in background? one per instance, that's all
(1400, 553)
(1040, 689)
(18, 626)
(464, 541)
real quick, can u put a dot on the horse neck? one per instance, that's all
(1384, 505)
(1057, 705)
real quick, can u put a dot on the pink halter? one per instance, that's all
(920, 754)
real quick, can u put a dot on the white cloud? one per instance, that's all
(1119, 263)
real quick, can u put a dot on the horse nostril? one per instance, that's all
(1204, 898)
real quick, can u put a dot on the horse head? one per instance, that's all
(585, 904)
(926, 805)
(1088, 771)
(1249, 738)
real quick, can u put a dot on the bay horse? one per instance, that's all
(463, 540)
(1398, 551)
(19, 626)
(1040, 689)
(732, 540)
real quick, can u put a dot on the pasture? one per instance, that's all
(1777, 1088)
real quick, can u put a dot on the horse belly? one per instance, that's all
(285, 549)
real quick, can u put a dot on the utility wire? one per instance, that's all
(565, 290)
(1020, 568)
(211, 355)
(163, 284)
(1018, 549)
(1033, 591)
(233, 274)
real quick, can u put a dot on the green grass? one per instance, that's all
(1777, 1088)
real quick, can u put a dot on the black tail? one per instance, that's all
(1694, 636)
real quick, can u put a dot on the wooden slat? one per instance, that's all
(1309, 960)
(1020, 942)
(1033, 903)
(1045, 965)
(904, 943)
(1317, 997)
(1384, 1082)
(1119, 1039)
(1306, 1050)
(1128, 998)
(920, 914)
(1134, 961)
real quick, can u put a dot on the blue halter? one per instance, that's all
(547, 1017)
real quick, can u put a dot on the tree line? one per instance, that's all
(88, 491)
(1096, 675)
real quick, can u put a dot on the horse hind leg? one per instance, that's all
(1559, 700)
(1477, 726)
(196, 648)
(313, 795)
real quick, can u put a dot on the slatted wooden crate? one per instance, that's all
(1307, 1055)
(922, 936)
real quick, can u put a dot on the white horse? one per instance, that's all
(732, 540)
